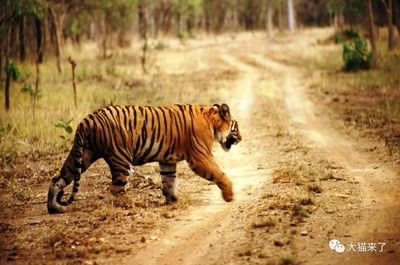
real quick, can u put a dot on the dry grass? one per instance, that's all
(269, 222)
(368, 100)
(286, 175)
(117, 80)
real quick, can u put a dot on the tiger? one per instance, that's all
(126, 136)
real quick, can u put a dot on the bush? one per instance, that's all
(356, 55)
(350, 33)
(346, 34)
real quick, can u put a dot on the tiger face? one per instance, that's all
(226, 128)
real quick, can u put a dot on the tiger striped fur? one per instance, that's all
(135, 135)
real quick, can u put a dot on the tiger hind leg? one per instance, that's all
(68, 173)
(168, 179)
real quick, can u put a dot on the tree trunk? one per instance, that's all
(143, 32)
(389, 11)
(7, 67)
(179, 19)
(1, 61)
(396, 14)
(56, 20)
(7, 88)
(281, 20)
(73, 65)
(22, 50)
(105, 37)
(372, 33)
(37, 83)
(270, 16)
(291, 18)
(39, 39)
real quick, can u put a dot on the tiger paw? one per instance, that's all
(170, 198)
(227, 194)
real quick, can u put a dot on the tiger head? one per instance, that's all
(226, 128)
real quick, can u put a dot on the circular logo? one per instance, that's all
(339, 248)
(333, 243)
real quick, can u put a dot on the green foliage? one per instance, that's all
(160, 46)
(187, 34)
(334, 7)
(118, 13)
(350, 33)
(356, 55)
(12, 70)
(73, 27)
(111, 68)
(34, 8)
(347, 34)
(67, 130)
(21, 193)
(27, 88)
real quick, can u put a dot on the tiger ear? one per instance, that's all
(224, 111)
(214, 109)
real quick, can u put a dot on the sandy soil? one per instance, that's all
(299, 182)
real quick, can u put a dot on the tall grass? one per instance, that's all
(99, 82)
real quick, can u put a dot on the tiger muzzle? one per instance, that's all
(234, 136)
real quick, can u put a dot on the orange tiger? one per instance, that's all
(135, 135)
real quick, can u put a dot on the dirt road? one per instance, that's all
(299, 182)
(214, 232)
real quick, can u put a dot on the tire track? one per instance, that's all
(380, 209)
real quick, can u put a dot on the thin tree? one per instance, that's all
(39, 38)
(291, 16)
(270, 16)
(372, 33)
(8, 66)
(37, 82)
(396, 13)
(57, 17)
(143, 31)
(389, 13)
(73, 65)
(21, 35)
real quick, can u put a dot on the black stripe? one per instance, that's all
(122, 130)
(168, 151)
(118, 166)
(149, 149)
(151, 159)
(102, 125)
(115, 146)
(177, 127)
(165, 120)
(183, 110)
(158, 125)
(170, 126)
(164, 173)
(196, 149)
(125, 114)
(134, 117)
(129, 116)
(144, 133)
(136, 151)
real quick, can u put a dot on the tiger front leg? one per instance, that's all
(209, 170)
(168, 179)
(119, 181)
